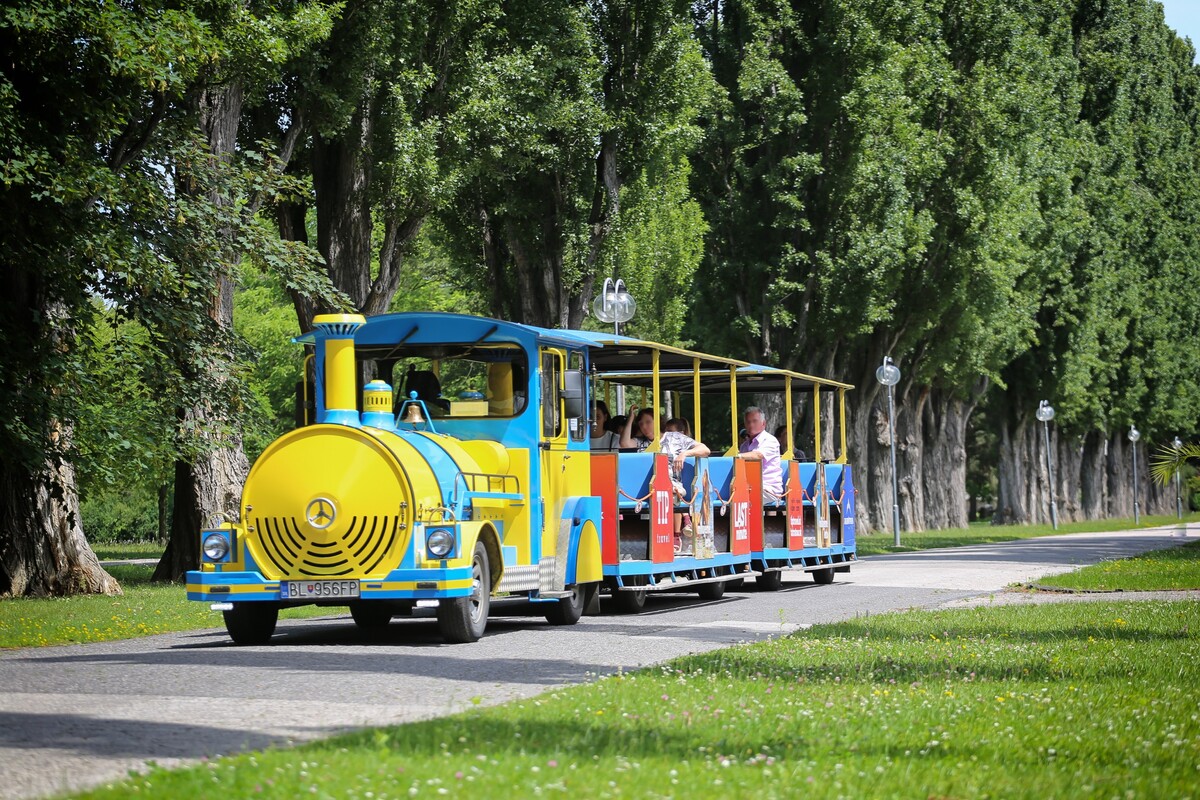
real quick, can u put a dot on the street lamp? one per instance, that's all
(1178, 495)
(888, 374)
(1045, 413)
(616, 305)
(1133, 437)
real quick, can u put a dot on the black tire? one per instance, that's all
(735, 585)
(251, 623)
(370, 616)
(630, 602)
(463, 619)
(771, 581)
(568, 610)
(712, 591)
(823, 576)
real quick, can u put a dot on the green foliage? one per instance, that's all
(124, 513)
(265, 322)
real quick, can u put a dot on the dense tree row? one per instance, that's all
(1001, 195)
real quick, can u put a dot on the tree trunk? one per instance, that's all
(43, 551)
(945, 463)
(1119, 470)
(910, 455)
(1068, 475)
(208, 486)
(1093, 476)
(42, 547)
(1016, 497)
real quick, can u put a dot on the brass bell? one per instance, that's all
(413, 414)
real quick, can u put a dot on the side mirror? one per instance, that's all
(572, 395)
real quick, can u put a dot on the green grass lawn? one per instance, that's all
(121, 551)
(880, 542)
(144, 609)
(1176, 568)
(1067, 700)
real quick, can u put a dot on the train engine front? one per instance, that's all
(352, 512)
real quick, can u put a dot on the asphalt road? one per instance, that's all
(77, 716)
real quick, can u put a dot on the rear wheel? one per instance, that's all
(370, 616)
(463, 619)
(251, 623)
(567, 610)
(630, 602)
(823, 576)
(712, 591)
(769, 581)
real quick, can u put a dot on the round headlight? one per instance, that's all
(216, 546)
(440, 542)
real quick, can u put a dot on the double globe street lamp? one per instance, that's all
(616, 305)
(1177, 444)
(1045, 413)
(888, 374)
(1134, 435)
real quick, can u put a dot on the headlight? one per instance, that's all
(216, 546)
(440, 542)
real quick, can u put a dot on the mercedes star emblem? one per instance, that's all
(320, 513)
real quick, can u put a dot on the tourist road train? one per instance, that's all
(443, 461)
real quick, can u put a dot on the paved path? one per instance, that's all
(76, 716)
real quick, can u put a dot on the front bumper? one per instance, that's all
(400, 584)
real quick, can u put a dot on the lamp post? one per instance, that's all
(1045, 413)
(616, 305)
(888, 374)
(1134, 435)
(1178, 495)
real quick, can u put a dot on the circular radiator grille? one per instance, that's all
(358, 550)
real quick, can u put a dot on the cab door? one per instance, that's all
(563, 441)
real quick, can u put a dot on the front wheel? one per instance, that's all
(823, 576)
(568, 610)
(463, 619)
(251, 623)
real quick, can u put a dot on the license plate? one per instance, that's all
(322, 590)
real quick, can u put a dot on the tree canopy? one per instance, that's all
(1000, 195)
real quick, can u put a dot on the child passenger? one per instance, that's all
(678, 446)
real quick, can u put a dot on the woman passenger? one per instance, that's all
(602, 438)
(639, 429)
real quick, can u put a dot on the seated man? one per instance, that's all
(762, 446)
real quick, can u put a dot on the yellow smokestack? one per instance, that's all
(341, 384)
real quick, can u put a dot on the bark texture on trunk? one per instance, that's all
(1016, 494)
(208, 485)
(945, 464)
(43, 551)
(1093, 477)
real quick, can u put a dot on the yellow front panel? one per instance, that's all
(327, 501)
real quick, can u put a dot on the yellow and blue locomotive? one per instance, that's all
(447, 461)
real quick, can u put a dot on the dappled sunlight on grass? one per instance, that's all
(1175, 568)
(1014, 701)
(143, 610)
